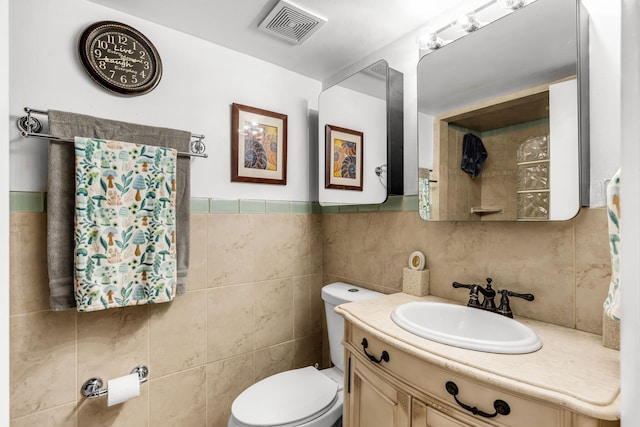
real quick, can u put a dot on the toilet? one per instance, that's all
(305, 397)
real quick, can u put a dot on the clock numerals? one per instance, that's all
(116, 60)
(120, 58)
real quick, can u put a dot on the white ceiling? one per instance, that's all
(354, 30)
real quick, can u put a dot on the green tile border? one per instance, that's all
(25, 201)
(368, 208)
(253, 206)
(199, 205)
(224, 206)
(348, 208)
(301, 208)
(410, 203)
(393, 203)
(278, 206)
(329, 209)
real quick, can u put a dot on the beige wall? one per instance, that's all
(253, 307)
(564, 264)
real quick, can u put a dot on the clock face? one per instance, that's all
(120, 58)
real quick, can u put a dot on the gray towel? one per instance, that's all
(61, 197)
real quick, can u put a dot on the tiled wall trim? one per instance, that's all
(21, 201)
(199, 205)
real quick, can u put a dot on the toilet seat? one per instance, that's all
(286, 399)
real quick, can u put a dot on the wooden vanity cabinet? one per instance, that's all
(408, 391)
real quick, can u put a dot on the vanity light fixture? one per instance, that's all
(430, 40)
(490, 11)
(514, 4)
(469, 22)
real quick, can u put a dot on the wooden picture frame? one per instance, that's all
(343, 148)
(258, 145)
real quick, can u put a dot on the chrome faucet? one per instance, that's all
(489, 294)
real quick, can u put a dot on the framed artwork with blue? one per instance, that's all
(258, 145)
(343, 158)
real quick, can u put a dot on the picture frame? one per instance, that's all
(258, 145)
(343, 148)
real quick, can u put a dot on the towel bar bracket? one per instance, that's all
(197, 146)
(92, 387)
(30, 127)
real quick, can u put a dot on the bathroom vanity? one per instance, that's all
(395, 378)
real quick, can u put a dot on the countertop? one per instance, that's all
(572, 369)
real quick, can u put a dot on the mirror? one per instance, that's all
(360, 145)
(503, 119)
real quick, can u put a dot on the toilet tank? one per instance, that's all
(333, 295)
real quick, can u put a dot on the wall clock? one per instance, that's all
(120, 58)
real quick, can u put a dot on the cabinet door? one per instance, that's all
(373, 402)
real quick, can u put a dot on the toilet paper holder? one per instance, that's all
(92, 387)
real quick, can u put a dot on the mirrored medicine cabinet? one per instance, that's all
(503, 119)
(360, 124)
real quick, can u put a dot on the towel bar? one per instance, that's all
(30, 127)
(92, 387)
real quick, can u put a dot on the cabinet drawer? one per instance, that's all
(427, 382)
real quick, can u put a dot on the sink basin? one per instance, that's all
(466, 327)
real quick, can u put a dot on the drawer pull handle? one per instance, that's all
(383, 357)
(500, 406)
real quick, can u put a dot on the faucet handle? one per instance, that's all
(505, 307)
(528, 297)
(473, 293)
(462, 285)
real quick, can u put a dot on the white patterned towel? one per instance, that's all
(124, 243)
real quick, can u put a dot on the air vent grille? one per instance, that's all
(291, 23)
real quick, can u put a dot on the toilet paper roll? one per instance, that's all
(417, 261)
(122, 389)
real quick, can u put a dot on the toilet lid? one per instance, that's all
(288, 398)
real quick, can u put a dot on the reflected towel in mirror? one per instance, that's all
(612, 303)
(473, 154)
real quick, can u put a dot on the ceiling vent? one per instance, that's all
(291, 23)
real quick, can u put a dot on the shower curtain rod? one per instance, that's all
(30, 127)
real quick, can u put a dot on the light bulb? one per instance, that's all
(469, 22)
(514, 4)
(430, 40)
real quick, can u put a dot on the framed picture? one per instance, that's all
(344, 158)
(258, 145)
